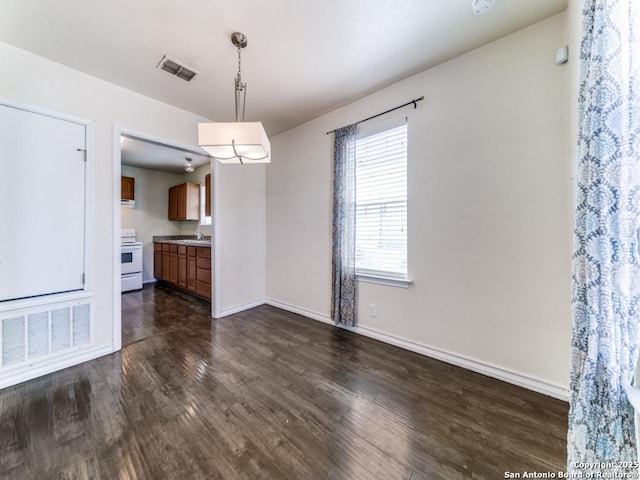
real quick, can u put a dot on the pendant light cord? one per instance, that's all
(241, 89)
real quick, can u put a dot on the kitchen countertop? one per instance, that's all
(183, 240)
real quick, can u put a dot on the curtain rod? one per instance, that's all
(414, 102)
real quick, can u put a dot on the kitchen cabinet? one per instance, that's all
(173, 203)
(182, 266)
(184, 202)
(157, 260)
(203, 272)
(185, 267)
(207, 195)
(173, 264)
(164, 265)
(191, 269)
(127, 188)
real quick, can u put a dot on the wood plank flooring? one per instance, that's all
(267, 394)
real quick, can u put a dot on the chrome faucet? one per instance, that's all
(198, 235)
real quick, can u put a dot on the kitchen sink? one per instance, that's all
(194, 242)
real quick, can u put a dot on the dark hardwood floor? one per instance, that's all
(267, 394)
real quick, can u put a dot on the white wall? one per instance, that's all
(489, 250)
(33, 79)
(239, 217)
(150, 216)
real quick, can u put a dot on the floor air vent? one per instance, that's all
(41, 333)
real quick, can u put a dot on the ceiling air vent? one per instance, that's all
(174, 68)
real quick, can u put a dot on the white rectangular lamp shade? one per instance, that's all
(249, 138)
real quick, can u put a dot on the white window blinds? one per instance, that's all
(381, 202)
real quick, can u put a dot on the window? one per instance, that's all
(204, 219)
(381, 202)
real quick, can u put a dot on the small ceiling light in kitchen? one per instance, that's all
(189, 166)
(239, 141)
(174, 68)
(482, 6)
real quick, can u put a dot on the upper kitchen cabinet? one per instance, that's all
(184, 202)
(207, 195)
(127, 188)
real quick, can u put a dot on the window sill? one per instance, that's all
(392, 282)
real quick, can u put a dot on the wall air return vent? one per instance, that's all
(176, 69)
(42, 332)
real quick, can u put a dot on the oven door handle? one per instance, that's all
(129, 275)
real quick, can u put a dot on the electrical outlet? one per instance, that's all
(242, 290)
(373, 310)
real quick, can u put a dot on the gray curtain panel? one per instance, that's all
(343, 301)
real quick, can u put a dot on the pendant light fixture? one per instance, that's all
(239, 141)
(188, 165)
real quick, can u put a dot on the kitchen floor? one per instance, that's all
(267, 394)
(163, 310)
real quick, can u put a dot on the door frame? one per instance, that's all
(89, 186)
(118, 131)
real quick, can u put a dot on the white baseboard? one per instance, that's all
(530, 383)
(38, 369)
(499, 373)
(240, 308)
(153, 280)
(300, 311)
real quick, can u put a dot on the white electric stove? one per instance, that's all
(131, 260)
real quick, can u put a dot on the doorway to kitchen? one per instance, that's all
(162, 225)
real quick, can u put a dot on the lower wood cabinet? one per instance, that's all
(157, 260)
(164, 265)
(182, 266)
(173, 264)
(203, 271)
(191, 269)
(185, 267)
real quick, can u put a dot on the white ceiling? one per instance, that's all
(136, 152)
(304, 58)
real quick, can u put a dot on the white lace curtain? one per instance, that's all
(606, 265)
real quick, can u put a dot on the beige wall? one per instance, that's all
(489, 250)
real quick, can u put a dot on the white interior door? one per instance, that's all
(42, 204)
